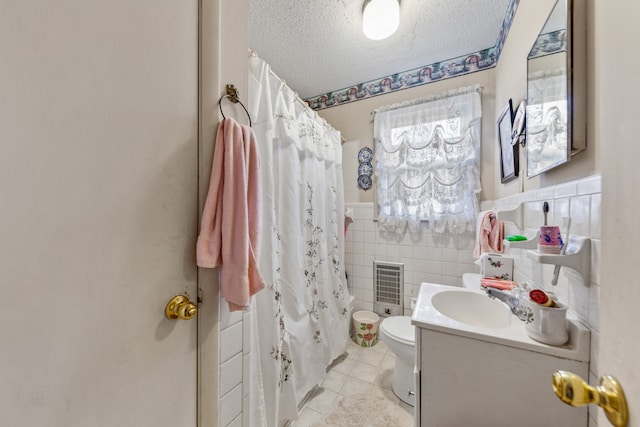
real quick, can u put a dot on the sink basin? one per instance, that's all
(469, 313)
(472, 308)
(468, 349)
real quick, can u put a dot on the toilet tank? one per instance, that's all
(471, 280)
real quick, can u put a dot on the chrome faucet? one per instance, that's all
(511, 300)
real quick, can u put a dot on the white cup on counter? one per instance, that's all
(548, 324)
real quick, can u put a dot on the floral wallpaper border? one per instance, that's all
(548, 43)
(455, 67)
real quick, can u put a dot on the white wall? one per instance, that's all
(511, 82)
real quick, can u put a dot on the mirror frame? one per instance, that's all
(576, 81)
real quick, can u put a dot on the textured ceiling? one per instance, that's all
(318, 46)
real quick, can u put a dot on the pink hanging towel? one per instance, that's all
(231, 226)
(489, 234)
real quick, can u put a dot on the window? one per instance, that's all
(427, 155)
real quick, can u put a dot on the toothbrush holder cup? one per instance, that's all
(550, 236)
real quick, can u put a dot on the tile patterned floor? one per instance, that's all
(361, 370)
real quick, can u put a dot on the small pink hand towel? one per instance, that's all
(489, 234)
(498, 284)
(231, 226)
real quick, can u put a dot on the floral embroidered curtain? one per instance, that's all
(300, 321)
(427, 168)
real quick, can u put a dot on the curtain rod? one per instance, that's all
(443, 95)
(297, 97)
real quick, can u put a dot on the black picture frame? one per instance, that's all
(519, 124)
(509, 153)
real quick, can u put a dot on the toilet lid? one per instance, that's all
(400, 328)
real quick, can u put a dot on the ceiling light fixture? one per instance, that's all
(380, 18)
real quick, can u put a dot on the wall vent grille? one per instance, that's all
(388, 288)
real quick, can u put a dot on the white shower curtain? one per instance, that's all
(300, 321)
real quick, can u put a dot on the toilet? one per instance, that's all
(471, 281)
(350, 309)
(399, 335)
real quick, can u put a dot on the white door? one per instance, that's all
(617, 33)
(98, 211)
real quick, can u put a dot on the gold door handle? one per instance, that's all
(179, 307)
(574, 391)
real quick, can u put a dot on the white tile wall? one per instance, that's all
(246, 419)
(230, 374)
(231, 337)
(231, 407)
(233, 383)
(570, 199)
(237, 422)
(427, 257)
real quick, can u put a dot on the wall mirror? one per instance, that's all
(555, 125)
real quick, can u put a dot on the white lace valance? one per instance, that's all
(427, 161)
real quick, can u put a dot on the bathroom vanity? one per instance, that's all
(476, 365)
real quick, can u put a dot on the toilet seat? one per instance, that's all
(400, 329)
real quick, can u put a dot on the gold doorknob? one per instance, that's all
(574, 391)
(179, 307)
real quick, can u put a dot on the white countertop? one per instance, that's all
(427, 317)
